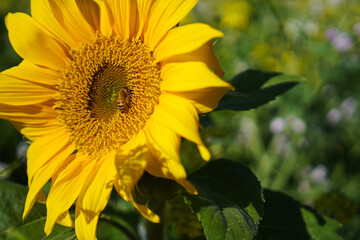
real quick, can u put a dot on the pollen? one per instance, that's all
(87, 99)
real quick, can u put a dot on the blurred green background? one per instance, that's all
(306, 143)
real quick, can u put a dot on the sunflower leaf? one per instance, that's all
(285, 218)
(251, 80)
(230, 203)
(248, 93)
(12, 199)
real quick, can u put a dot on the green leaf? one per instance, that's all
(230, 203)
(285, 218)
(251, 80)
(319, 226)
(248, 93)
(12, 200)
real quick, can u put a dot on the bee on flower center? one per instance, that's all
(123, 100)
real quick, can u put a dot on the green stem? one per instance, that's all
(155, 230)
(116, 224)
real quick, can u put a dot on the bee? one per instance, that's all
(123, 100)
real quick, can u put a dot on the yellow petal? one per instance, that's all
(91, 12)
(163, 16)
(130, 164)
(94, 196)
(65, 220)
(203, 54)
(179, 115)
(207, 98)
(33, 42)
(143, 7)
(33, 133)
(48, 166)
(43, 150)
(106, 18)
(66, 188)
(31, 115)
(185, 39)
(14, 91)
(204, 100)
(147, 213)
(85, 224)
(41, 197)
(97, 188)
(165, 162)
(35, 74)
(189, 76)
(124, 13)
(63, 19)
(164, 140)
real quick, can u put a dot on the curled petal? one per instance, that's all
(185, 39)
(130, 163)
(165, 161)
(190, 76)
(179, 115)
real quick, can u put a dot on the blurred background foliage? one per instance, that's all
(306, 143)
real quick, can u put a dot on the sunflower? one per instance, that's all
(105, 92)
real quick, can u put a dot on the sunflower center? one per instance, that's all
(107, 94)
(104, 91)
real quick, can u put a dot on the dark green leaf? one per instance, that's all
(248, 93)
(229, 204)
(285, 218)
(240, 102)
(251, 80)
(12, 200)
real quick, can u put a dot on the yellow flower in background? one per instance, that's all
(106, 91)
(236, 14)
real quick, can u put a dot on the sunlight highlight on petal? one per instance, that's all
(14, 91)
(179, 115)
(36, 44)
(63, 19)
(165, 161)
(185, 39)
(44, 173)
(163, 16)
(94, 196)
(66, 188)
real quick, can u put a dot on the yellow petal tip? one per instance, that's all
(204, 152)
